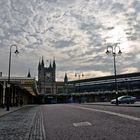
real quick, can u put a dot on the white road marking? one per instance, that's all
(111, 113)
(82, 124)
(42, 123)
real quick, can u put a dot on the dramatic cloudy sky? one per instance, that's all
(75, 32)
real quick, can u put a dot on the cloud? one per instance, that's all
(130, 70)
(76, 32)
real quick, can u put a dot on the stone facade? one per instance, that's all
(47, 78)
(47, 83)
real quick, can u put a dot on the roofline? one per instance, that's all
(126, 75)
(17, 78)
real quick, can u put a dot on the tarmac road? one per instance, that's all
(91, 122)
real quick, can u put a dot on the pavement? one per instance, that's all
(4, 112)
(21, 123)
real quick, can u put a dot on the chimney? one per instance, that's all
(0, 74)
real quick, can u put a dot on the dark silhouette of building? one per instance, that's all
(47, 78)
(103, 88)
(83, 90)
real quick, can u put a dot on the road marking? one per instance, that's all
(111, 113)
(82, 124)
(42, 123)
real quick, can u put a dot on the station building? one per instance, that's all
(49, 89)
(21, 88)
(103, 88)
(84, 90)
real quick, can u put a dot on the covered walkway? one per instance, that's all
(21, 90)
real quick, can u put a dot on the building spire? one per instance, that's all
(29, 75)
(54, 65)
(65, 78)
(42, 63)
(39, 65)
(50, 64)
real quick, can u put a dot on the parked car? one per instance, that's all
(124, 99)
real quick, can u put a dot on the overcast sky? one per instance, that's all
(74, 32)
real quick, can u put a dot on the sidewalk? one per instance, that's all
(24, 124)
(4, 112)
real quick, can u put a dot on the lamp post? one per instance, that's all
(127, 86)
(79, 75)
(8, 84)
(113, 50)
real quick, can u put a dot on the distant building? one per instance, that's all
(83, 90)
(103, 88)
(47, 83)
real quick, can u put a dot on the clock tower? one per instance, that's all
(46, 77)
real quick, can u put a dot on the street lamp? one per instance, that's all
(8, 84)
(79, 75)
(127, 85)
(113, 50)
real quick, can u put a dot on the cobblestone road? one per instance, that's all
(24, 124)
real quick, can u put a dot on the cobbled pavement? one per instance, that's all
(24, 124)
